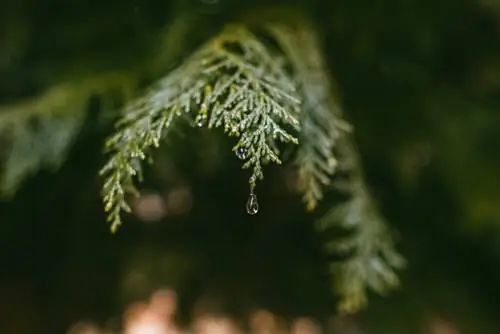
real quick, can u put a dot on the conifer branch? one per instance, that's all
(325, 147)
(233, 82)
(370, 258)
(44, 143)
(321, 118)
(39, 131)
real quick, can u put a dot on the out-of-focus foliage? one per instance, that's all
(70, 77)
(419, 82)
(39, 132)
(322, 124)
(368, 255)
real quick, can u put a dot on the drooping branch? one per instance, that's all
(233, 82)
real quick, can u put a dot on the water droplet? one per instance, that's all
(252, 204)
(200, 120)
(241, 153)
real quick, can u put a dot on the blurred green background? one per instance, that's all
(420, 82)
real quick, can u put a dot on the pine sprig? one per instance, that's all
(370, 258)
(44, 145)
(322, 124)
(130, 147)
(233, 82)
(325, 147)
(38, 132)
(315, 157)
(253, 101)
(236, 83)
(372, 261)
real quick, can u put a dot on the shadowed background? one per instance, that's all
(420, 81)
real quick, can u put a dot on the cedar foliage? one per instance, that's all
(262, 81)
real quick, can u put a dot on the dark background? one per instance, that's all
(419, 80)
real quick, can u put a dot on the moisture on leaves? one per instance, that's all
(237, 83)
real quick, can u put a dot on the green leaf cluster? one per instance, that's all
(233, 82)
(38, 132)
(264, 94)
(369, 259)
(267, 87)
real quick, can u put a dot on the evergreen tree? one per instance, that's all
(259, 72)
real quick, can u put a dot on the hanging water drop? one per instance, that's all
(241, 153)
(200, 121)
(252, 204)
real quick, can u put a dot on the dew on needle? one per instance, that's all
(200, 121)
(241, 153)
